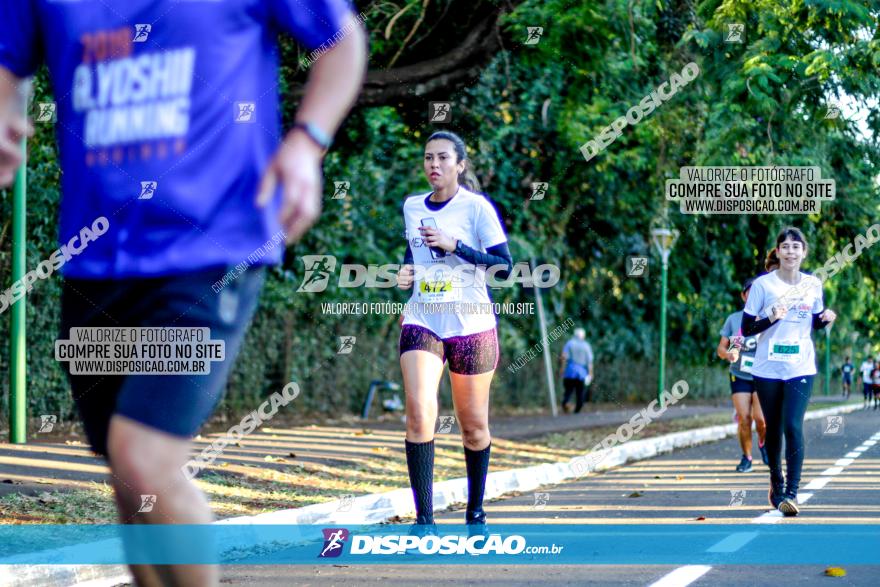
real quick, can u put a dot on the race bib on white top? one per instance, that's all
(438, 286)
(785, 351)
(746, 364)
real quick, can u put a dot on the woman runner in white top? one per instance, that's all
(785, 305)
(452, 234)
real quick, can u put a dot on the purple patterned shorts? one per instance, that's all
(471, 354)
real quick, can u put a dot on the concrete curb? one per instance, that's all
(380, 507)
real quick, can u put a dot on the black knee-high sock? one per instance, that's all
(420, 462)
(477, 463)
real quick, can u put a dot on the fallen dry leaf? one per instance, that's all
(835, 572)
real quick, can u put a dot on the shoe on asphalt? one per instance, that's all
(788, 506)
(478, 529)
(477, 517)
(566, 409)
(745, 465)
(422, 530)
(763, 449)
(775, 497)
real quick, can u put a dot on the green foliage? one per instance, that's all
(761, 102)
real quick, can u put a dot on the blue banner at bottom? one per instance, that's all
(612, 544)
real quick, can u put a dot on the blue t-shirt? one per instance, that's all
(167, 116)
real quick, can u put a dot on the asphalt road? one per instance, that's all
(678, 488)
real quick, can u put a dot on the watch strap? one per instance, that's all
(314, 132)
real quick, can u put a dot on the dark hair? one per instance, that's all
(466, 177)
(793, 233)
(771, 261)
(747, 285)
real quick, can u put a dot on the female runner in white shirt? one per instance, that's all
(786, 305)
(452, 234)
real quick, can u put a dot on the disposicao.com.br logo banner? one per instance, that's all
(574, 544)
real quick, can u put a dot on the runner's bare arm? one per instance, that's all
(330, 92)
(13, 126)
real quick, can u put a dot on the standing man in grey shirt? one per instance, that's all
(739, 350)
(576, 368)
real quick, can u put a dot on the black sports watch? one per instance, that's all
(458, 248)
(314, 132)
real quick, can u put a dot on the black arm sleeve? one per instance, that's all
(497, 255)
(752, 326)
(408, 256)
(818, 323)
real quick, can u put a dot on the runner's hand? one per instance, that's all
(777, 312)
(434, 237)
(828, 316)
(732, 355)
(405, 277)
(297, 164)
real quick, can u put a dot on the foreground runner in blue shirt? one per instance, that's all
(169, 132)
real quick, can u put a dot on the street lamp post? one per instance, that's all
(17, 316)
(664, 239)
(828, 359)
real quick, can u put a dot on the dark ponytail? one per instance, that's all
(771, 262)
(466, 178)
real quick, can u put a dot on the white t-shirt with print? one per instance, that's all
(785, 350)
(866, 369)
(468, 217)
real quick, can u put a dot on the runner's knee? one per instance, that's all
(474, 434)
(421, 422)
(145, 467)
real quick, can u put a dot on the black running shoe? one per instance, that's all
(478, 530)
(422, 530)
(745, 465)
(789, 507)
(775, 497)
(764, 457)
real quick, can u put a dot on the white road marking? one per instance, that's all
(733, 542)
(682, 576)
(818, 483)
(771, 517)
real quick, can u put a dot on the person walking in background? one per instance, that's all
(875, 377)
(739, 351)
(847, 371)
(867, 370)
(576, 368)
